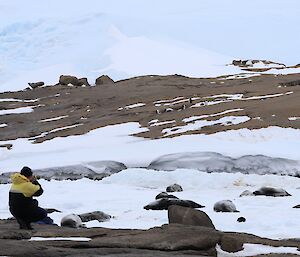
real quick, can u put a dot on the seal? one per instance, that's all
(72, 221)
(165, 195)
(225, 206)
(164, 203)
(95, 215)
(271, 191)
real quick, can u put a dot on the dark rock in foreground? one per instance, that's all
(167, 240)
(188, 216)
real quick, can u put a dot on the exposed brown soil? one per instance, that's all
(99, 106)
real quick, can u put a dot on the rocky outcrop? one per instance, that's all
(67, 80)
(34, 85)
(215, 162)
(104, 80)
(188, 216)
(92, 170)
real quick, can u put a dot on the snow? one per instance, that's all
(116, 143)
(81, 239)
(124, 194)
(40, 41)
(132, 106)
(198, 124)
(17, 110)
(2, 125)
(257, 249)
(54, 119)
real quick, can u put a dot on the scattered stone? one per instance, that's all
(34, 85)
(246, 193)
(83, 82)
(231, 244)
(290, 83)
(96, 215)
(188, 216)
(72, 221)
(241, 219)
(297, 206)
(165, 195)
(104, 80)
(164, 203)
(271, 191)
(225, 206)
(174, 188)
(67, 79)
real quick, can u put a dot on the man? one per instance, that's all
(21, 204)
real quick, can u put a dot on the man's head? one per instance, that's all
(27, 172)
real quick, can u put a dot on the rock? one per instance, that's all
(297, 206)
(165, 195)
(34, 85)
(174, 188)
(83, 82)
(67, 79)
(16, 235)
(7, 146)
(215, 162)
(225, 206)
(188, 216)
(241, 219)
(96, 215)
(164, 203)
(271, 191)
(72, 221)
(104, 80)
(231, 244)
(246, 193)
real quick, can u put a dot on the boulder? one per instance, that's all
(225, 206)
(241, 219)
(95, 215)
(164, 203)
(271, 191)
(104, 80)
(188, 216)
(34, 85)
(165, 195)
(231, 244)
(83, 82)
(72, 221)
(174, 188)
(67, 79)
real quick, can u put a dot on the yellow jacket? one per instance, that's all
(21, 184)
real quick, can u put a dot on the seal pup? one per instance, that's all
(225, 206)
(164, 203)
(72, 221)
(271, 191)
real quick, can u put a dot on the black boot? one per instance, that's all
(24, 224)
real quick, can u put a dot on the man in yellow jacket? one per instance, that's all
(21, 204)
